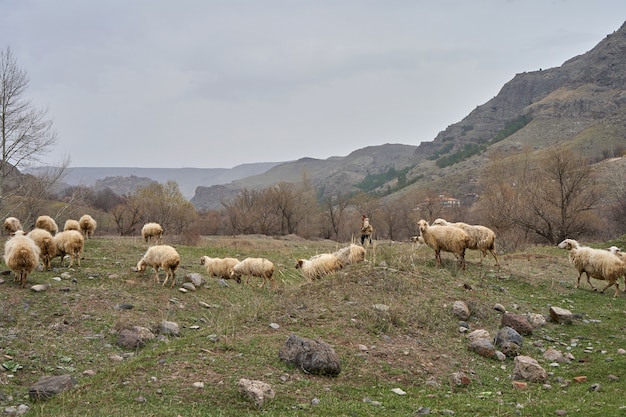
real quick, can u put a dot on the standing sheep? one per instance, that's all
(152, 230)
(21, 255)
(481, 237)
(616, 251)
(319, 265)
(161, 256)
(47, 223)
(595, 263)
(219, 267)
(351, 254)
(445, 238)
(87, 225)
(12, 225)
(69, 242)
(256, 267)
(47, 247)
(71, 225)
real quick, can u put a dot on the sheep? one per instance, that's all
(47, 248)
(47, 223)
(219, 267)
(351, 254)
(319, 265)
(87, 225)
(152, 230)
(12, 225)
(481, 237)
(21, 254)
(616, 251)
(256, 267)
(71, 225)
(69, 242)
(161, 256)
(445, 238)
(595, 263)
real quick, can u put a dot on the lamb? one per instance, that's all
(47, 248)
(47, 223)
(152, 230)
(71, 225)
(69, 242)
(445, 238)
(256, 267)
(219, 267)
(481, 237)
(87, 225)
(12, 225)
(351, 254)
(161, 256)
(21, 255)
(595, 263)
(319, 265)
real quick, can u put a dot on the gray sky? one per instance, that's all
(214, 84)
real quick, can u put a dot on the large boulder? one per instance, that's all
(528, 369)
(50, 386)
(312, 356)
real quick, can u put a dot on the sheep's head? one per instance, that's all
(299, 263)
(440, 222)
(614, 249)
(568, 244)
(203, 260)
(422, 224)
(141, 266)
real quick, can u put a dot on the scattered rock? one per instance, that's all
(381, 307)
(479, 334)
(398, 391)
(553, 355)
(312, 356)
(535, 320)
(580, 379)
(518, 322)
(561, 412)
(38, 288)
(189, 286)
(198, 385)
(561, 315)
(123, 307)
(461, 310)
(89, 372)
(257, 391)
(483, 347)
(500, 308)
(169, 328)
(196, 279)
(509, 341)
(48, 387)
(129, 339)
(275, 326)
(520, 384)
(459, 379)
(528, 369)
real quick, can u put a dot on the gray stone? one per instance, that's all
(499, 307)
(169, 328)
(518, 322)
(461, 310)
(257, 391)
(483, 347)
(38, 288)
(528, 369)
(128, 339)
(189, 286)
(561, 315)
(48, 387)
(195, 278)
(312, 356)
(535, 320)
(508, 341)
(479, 334)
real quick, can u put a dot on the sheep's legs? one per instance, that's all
(616, 288)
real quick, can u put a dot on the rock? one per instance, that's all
(38, 288)
(312, 356)
(528, 369)
(381, 307)
(47, 387)
(459, 379)
(499, 307)
(128, 339)
(196, 279)
(553, 355)
(123, 307)
(580, 379)
(509, 341)
(144, 333)
(518, 322)
(398, 391)
(519, 385)
(461, 310)
(561, 315)
(257, 391)
(483, 347)
(169, 328)
(89, 372)
(189, 286)
(535, 320)
(479, 334)
(275, 326)
(561, 412)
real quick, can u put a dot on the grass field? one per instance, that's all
(225, 335)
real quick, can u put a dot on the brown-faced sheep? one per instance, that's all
(352, 254)
(256, 267)
(481, 237)
(445, 238)
(47, 247)
(161, 256)
(319, 265)
(47, 223)
(151, 231)
(220, 267)
(71, 225)
(595, 263)
(69, 242)
(87, 225)
(12, 225)
(21, 255)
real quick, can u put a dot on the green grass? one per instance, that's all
(415, 345)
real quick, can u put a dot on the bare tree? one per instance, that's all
(335, 207)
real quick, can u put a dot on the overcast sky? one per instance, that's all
(214, 84)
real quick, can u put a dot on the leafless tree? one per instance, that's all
(334, 212)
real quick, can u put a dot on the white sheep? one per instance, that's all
(351, 254)
(256, 267)
(69, 242)
(595, 263)
(12, 225)
(161, 256)
(47, 247)
(21, 255)
(152, 230)
(622, 255)
(219, 267)
(71, 225)
(87, 225)
(481, 237)
(319, 265)
(445, 238)
(47, 223)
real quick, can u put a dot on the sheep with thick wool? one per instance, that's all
(351, 254)
(622, 255)
(319, 265)
(445, 238)
(161, 256)
(481, 237)
(47, 247)
(599, 264)
(87, 225)
(71, 224)
(47, 223)
(12, 225)
(21, 254)
(69, 242)
(256, 267)
(219, 267)
(151, 231)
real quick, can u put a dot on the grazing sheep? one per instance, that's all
(12, 225)
(47, 223)
(69, 242)
(219, 267)
(481, 237)
(48, 249)
(87, 225)
(256, 267)
(445, 238)
(161, 256)
(71, 225)
(595, 263)
(152, 230)
(352, 254)
(616, 251)
(21, 255)
(319, 265)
